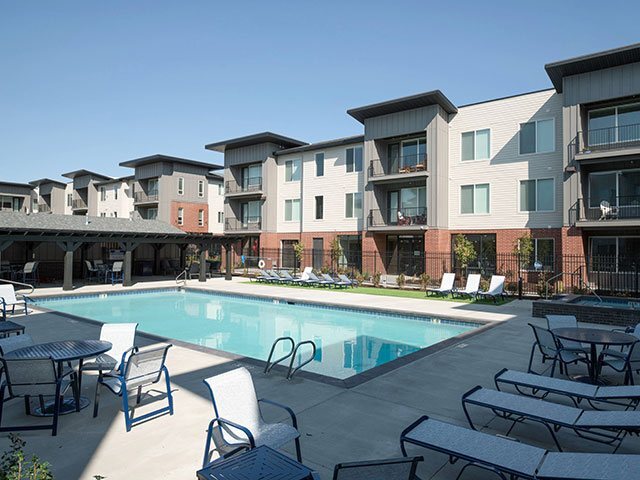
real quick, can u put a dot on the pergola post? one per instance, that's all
(202, 276)
(156, 257)
(183, 256)
(228, 274)
(127, 265)
(68, 248)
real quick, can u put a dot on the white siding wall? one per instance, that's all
(333, 186)
(123, 206)
(216, 204)
(68, 191)
(506, 167)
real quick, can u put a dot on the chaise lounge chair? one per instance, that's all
(352, 283)
(317, 281)
(496, 289)
(335, 283)
(446, 285)
(507, 458)
(8, 299)
(540, 386)
(471, 289)
(608, 427)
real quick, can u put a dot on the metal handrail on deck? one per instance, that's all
(184, 280)
(270, 364)
(578, 272)
(292, 370)
(28, 285)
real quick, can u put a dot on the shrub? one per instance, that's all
(464, 251)
(376, 279)
(15, 466)
(425, 281)
(325, 269)
(401, 280)
(359, 277)
(484, 284)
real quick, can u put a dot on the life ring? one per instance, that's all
(261, 264)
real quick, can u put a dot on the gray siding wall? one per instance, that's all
(609, 83)
(249, 154)
(152, 170)
(400, 123)
(15, 191)
(438, 166)
(270, 188)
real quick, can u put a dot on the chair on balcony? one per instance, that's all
(607, 211)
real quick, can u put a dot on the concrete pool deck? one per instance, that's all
(337, 424)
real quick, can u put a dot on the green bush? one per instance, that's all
(425, 281)
(401, 280)
(15, 466)
(376, 279)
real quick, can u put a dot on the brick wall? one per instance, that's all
(190, 216)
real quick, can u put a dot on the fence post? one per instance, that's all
(520, 287)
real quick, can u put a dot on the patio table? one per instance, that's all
(594, 337)
(62, 352)
(7, 327)
(260, 463)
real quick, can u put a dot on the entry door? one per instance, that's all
(318, 253)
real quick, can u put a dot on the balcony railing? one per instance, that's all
(252, 184)
(611, 138)
(144, 197)
(394, 217)
(78, 203)
(246, 224)
(44, 208)
(405, 164)
(595, 209)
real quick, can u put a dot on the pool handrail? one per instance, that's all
(271, 364)
(578, 272)
(184, 280)
(13, 282)
(292, 370)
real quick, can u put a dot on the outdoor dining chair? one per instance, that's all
(550, 349)
(34, 378)
(627, 361)
(116, 273)
(238, 419)
(93, 273)
(122, 337)
(15, 342)
(566, 321)
(402, 468)
(144, 368)
(29, 273)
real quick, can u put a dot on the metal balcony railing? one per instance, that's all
(245, 224)
(596, 209)
(251, 184)
(622, 136)
(78, 203)
(405, 164)
(394, 217)
(145, 197)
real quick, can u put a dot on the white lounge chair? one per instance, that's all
(496, 288)
(8, 299)
(306, 279)
(471, 289)
(122, 337)
(446, 285)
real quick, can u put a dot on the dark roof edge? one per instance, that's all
(434, 97)
(17, 184)
(44, 181)
(253, 139)
(506, 97)
(158, 157)
(82, 171)
(115, 180)
(322, 145)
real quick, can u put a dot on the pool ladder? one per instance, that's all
(292, 354)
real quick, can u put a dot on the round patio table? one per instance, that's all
(595, 337)
(62, 352)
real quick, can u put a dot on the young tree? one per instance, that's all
(336, 252)
(298, 250)
(464, 251)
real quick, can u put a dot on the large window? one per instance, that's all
(292, 171)
(537, 137)
(353, 205)
(614, 254)
(289, 259)
(252, 177)
(11, 203)
(543, 252)
(292, 210)
(319, 207)
(476, 145)
(149, 213)
(537, 195)
(152, 186)
(351, 246)
(354, 159)
(614, 124)
(485, 247)
(250, 212)
(621, 189)
(319, 164)
(474, 199)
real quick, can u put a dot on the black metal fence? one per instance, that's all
(551, 274)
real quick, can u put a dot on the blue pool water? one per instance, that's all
(627, 303)
(349, 341)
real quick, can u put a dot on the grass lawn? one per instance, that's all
(394, 292)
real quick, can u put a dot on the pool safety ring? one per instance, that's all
(261, 264)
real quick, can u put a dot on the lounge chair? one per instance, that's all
(37, 377)
(116, 273)
(566, 321)
(607, 211)
(627, 361)
(238, 420)
(496, 289)
(9, 299)
(471, 289)
(351, 282)
(275, 277)
(144, 368)
(262, 276)
(334, 282)
(390, 469)
(318, 281)
(540, 386)
(551, 349)
(508, 458)
(122, 337)
(288, 278)
(608, 427)
(446, 285)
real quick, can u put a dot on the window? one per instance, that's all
(220, 190)
(69, 199)
(180, 216)
(614, 124)
(103, 214)
(201, 218)
(353, 205)
(537, 137)
(476, 145)
(544, 252)
(351, 256)
(292, 170)
(474, 199)
(289, 259)
(115, 192)
(220, 217)
(485, 248)
(319, 164)
(180, 186)
(201, 188)
(252, 177)
(537, 195)
(103, 194)
(354, 159)
(250, 212)
(152, 186)
(151, 214)
(292, 210)
(319, 207)
(614, 254)
(620, 189)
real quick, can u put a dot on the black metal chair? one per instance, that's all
(403, 468)
(625, 362)
(35, 378)
(550, 349)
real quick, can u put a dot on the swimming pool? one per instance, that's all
(349, 341)
(626, 303)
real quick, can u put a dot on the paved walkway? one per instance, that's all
(337, 424)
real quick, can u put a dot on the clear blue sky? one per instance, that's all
(88, 84)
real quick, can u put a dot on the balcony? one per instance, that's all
(398, 168)
(618, 212)
(78, 203)
(605, 142)
(251, 186)
(248, 224)
(144, 197)
(44, 208)
(411, 218)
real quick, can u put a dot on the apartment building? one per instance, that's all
(48, 196)
(215, 184)
(84, 192)
(561, 165)
(115, 198)
(15, 196)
